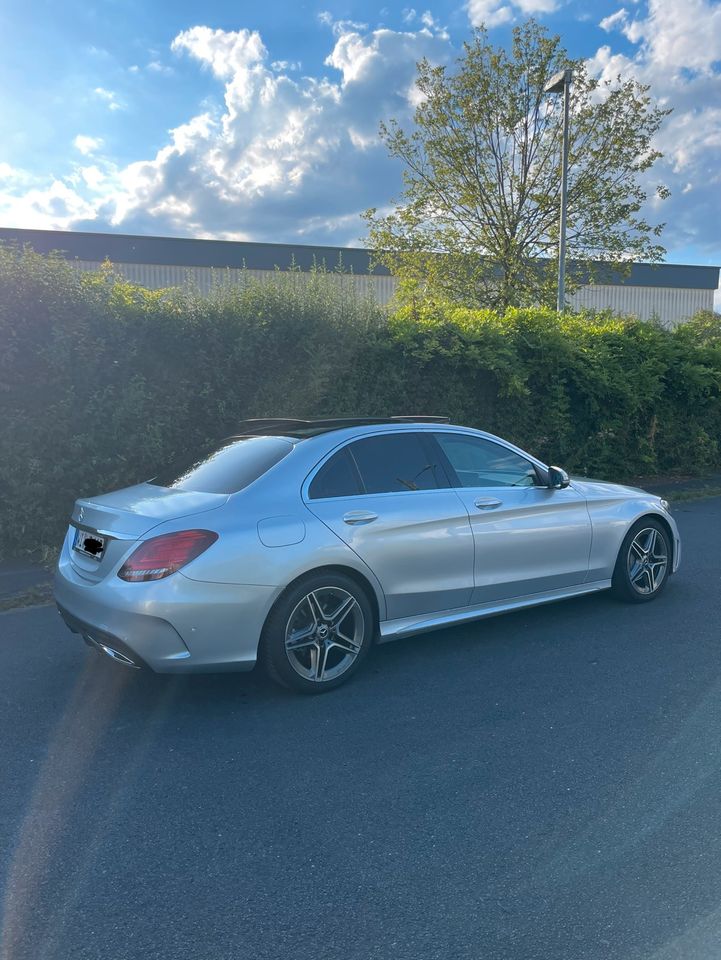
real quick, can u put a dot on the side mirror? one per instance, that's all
(557, 478)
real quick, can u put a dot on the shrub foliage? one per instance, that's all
(102, 381)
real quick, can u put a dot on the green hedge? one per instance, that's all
(102, 381)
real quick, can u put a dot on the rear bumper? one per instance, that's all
(101, 640)
(176, 625)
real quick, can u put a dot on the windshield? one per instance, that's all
(227, 468)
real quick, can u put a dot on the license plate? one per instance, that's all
(91, 544)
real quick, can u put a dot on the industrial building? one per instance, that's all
(670, 292)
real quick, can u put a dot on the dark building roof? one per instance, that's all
(179, 251)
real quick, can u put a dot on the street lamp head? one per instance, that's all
(558, 82)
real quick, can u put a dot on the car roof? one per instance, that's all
(297, 429)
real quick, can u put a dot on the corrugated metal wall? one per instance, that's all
(670, 304)
(157, 277)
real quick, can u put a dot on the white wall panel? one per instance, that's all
(157, 277)
(670, 304)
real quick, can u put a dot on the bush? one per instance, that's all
(102, 381)
(601, 395)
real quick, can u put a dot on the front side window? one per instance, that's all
(396, 462)
(483, 463)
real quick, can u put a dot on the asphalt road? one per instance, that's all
(543, 785)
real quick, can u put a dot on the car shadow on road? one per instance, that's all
(480, 647)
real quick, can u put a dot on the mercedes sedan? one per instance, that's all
(301, 543)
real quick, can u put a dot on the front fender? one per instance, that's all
(611, 519)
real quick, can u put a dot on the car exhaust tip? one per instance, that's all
(112, 652)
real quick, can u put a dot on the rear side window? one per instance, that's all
(396, 462)
(228, 468)
(336, 478)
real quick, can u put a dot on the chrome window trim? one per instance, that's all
(490, 438)
(431, 428)
(344, 443)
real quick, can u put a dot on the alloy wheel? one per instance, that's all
(324, 634)
(647, 561)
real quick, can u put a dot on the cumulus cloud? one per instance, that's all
(489, 13)
(55, 207)
(12, 176)
(283, 66)
(614, 20)
(227, 53)
(680, 35)
(678, 49)
(494, 13)
(280, 157)
(283, 157)
(87, 145)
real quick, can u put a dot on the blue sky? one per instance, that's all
(259, 121)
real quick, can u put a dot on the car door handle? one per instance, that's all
(359, 516)
(487, 503)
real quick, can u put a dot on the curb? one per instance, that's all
(24, 609)
(16, 578)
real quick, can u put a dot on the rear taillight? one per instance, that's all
(161, 556)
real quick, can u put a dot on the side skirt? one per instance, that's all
(407, 626)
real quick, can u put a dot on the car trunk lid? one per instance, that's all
(114, 520)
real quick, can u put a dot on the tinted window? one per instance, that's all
(228, 468)
(483, 463)
(336, 478)
(396, 462)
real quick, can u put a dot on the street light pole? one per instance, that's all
(561, 83)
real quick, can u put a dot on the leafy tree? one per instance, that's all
(482, 176)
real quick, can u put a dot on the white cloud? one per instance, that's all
(93, 176)
(531, 8)
(678, 48)
(11, 174)
(227, 53)
(680, 35)
(281, 156)
(157, 66)
(55, 207)
(494, 13)
(614, 20)
(109, 97)
(489, 13)
(87, 145)
(278, 157)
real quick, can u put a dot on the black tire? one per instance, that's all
(317, 650)
(646, 583)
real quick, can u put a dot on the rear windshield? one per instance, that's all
(228, 468)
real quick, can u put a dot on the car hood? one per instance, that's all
(592, 489)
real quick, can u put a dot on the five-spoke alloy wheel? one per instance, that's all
(644, 562)
(318, 633)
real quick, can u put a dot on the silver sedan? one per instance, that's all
(300, 543)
